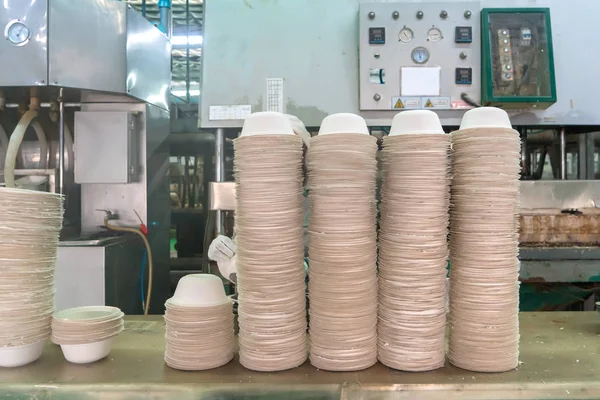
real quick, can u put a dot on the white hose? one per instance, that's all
(69, 149)
(13, 147)
(41, 135)
(3, 139)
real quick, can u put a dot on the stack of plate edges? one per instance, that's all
(29, 234)
(484, 293)
(342, 171)
(199, 324)
(270, 251)
(413, 251)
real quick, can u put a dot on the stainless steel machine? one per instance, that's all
(100, 70)
(377, 58)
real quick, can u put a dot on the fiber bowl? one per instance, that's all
(416, 122)
(87, 353)
(343, 123)
(267, 123)
(199, 290)
(18, 356)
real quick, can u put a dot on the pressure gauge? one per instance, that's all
(434, 35)
(406, 35)
(17, 33)
(420, 55)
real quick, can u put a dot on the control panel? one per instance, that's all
(419, 55)
(518, 58)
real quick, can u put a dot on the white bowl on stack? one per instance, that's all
(199, 324)
(86, 334)
(29, 233)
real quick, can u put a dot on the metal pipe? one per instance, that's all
(144, 8)
(164, 8)
(219, 172)
(61, 142)
(187, 50)
(44, 105)
(563, 154)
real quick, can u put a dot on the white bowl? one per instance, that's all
(198, 290)
(267, 123)
(343, 123)
(416, 122)
(87, 353)
(88, 313)
(485, 117)
(18, 356)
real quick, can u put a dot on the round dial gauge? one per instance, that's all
(420, 55)
(434, 35)
(406, 35)
(17, 33)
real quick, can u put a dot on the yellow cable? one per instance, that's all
(138, 232)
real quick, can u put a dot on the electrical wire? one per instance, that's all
(148, 250)
(142, 276)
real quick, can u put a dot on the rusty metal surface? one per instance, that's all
(560, 229)
(558, 360)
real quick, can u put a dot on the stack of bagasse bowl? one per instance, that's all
(86, 334)
(29, 235)
(199, 324)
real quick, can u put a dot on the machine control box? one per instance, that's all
(376, 35)
(415, 55)
(106, 148)
(463, 34)
(518, 60)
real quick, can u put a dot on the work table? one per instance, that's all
(560, 358)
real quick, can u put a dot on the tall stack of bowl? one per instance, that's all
(270, 245)
(342, 171)
(484, 292)
(29, 234)
(413, 243)
(199, 324)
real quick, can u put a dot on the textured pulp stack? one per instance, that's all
(342, 170)
(484, 293)
(29, 234)
(269, 219)
(413, 245)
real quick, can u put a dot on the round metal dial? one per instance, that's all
(17, 33)
(406, 35)
(420, 55)
(434, 35)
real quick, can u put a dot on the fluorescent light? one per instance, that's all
(195, 40)
(182, 93)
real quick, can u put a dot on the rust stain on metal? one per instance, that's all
(560, 229)
(534, 279)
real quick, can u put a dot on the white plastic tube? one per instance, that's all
(13, 147)
(3, 139)
(41, 135)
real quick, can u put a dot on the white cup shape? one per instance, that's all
(416, 122)
(343, 123)
(87, 353)
(199, 290)
(267, 123)
(485, 117)
(17, 356)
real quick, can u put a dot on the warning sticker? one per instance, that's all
(436, 103)
(406, 103)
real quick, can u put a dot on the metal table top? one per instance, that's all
(559, 359)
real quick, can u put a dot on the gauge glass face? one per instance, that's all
(406, 35)
(434, 35)
(420, 55)
(17, 33)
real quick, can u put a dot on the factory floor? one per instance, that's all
(560, 358)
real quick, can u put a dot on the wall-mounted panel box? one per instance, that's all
(105, 147)
(517, 58)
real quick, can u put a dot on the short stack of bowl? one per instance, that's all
(86, 334)
(29, 234)
(199, 324)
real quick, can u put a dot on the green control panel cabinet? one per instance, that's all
(517, 58)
